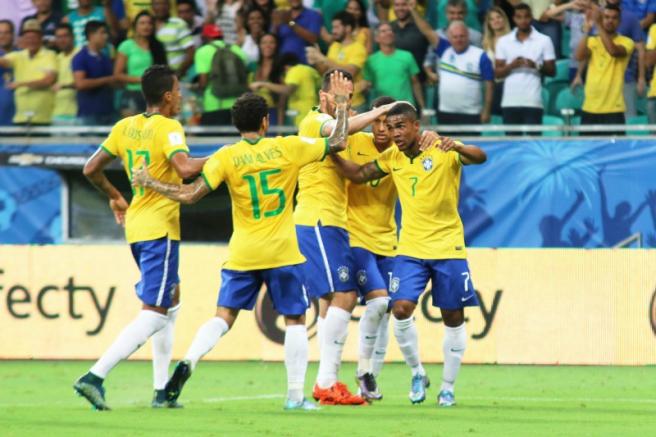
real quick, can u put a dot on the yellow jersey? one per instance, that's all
(651, 45)
(307, 81)
(153, 140)
(321, 189)
(370, 209)
(428, 187)
(261, 177)
(604, 83)
(352, 54)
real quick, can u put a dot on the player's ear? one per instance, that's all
(265, 123)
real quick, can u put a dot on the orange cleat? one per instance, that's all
(337, 394)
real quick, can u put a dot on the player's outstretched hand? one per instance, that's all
(427, 139)
(340, 86)
(119, 206)
(140, 176)
(447, 144)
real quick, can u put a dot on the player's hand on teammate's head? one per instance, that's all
(427, 139)
(119, 206)
(140, 176)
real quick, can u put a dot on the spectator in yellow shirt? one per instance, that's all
(608, 56)
(345, 53)
(65, 110)
(35, 71)
(651, 61)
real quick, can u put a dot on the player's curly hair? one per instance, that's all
(248, 112)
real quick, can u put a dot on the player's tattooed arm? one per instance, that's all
(94, 172)
(185, 193)
(469, 154)
(340, 87)
(358, 173)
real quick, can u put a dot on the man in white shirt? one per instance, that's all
(522, 57)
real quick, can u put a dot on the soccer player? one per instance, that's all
(261, 174)
(431, 244)
(152, 227)
(373, 238)
(321, 224)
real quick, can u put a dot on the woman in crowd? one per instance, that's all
(268, 71)
(134, 56)
(255, 25)
(496, 26)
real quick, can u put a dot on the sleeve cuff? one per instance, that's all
(207, 182)
(176, 151)
(326, 149)
(378, 166)
(321, 128)
(107, 151)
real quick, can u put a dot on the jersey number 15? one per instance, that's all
(266, 191)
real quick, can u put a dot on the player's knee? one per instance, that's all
(378, 305)
(402, 310)
(295, 320)
(345, 301)
(453, 318)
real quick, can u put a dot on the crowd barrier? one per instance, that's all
(537, 306)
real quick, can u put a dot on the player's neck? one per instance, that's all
(161, 110)
(382, 147)
(251, 137)
(412, 151)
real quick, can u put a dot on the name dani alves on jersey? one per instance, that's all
(250, 158)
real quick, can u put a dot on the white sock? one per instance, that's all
(334, 337)
(296, 360)
(406, 335)
(380, 348)
(129, 340)
(163, 348)
(321, 323)
(369, 324)
(455, 342)
(206, 338)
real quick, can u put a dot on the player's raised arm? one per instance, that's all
(184, 193)
(340, 86)
(358, 122)
(469, 154)
(94, 172)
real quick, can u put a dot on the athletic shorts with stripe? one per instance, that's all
(329, 266)
(285, 285)
(158, 264)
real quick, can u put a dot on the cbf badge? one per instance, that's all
(362, 277)
(427, 163)
(394, 285)
(343, 273)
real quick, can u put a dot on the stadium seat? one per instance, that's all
(641, 105)
(568, 99)
(495, 120)
(638, 119)
(564, 42)
(550, 120)
(562, 72)
(553, 88)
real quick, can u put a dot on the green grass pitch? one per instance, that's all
(246, 398)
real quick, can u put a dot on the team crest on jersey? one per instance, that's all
(427, 163)
(362, 277)
(343, 273)
(394, 285)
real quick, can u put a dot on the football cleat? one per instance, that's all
(446, 399)
(304, 405)
(337, 394)
(180, 375)
(89, 386)
(418, 388)
(367, 387)
(160, 401)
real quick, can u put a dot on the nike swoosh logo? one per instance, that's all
(369, 338)
(339, 343)
(362, 154)
(464, 299)
(457, 350)
(396, 169)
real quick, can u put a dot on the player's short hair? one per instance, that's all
(523, 7)
(615, 7)
(325, 84)
(288, 59)
(155, 82)
(248, 112)
(92, 27)
(345, 18)
(405, 109)
(382, 100)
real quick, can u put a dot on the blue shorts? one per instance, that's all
(158, 264)
(373, 272)
(452, 285)
(329, 265)
(286, 285)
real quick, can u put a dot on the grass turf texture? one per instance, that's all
(246, 398)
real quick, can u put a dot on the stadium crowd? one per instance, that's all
(79, 62)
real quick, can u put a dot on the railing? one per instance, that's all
(635, 238)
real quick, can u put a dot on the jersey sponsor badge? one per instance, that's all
(175, 138)
(343, 273)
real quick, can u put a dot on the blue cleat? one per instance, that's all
(89, 386)
(160, 401)
(418, 388)
(446, 399)
(303, 405)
